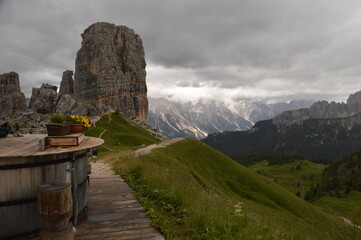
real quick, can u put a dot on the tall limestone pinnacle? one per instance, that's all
(110, 71)
(67, 83)
(12, 100)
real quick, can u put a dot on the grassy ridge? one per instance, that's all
(209, 188)
(192, 191)
(119, 134)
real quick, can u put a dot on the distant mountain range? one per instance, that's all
(198, 119)
(325, 130)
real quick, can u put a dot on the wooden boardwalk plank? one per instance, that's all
(114, 213)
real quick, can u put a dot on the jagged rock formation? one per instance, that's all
(354, 103)
(44, 99)
(110, 71)
(67, 83)
(323, 110)
(12, 100)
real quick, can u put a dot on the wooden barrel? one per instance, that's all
(24, 166)
(55, 206)
(20, 178)
(67, 234)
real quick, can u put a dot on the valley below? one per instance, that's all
(192, 191)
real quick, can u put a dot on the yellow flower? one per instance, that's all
(78, 119)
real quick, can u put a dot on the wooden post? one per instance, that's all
(55, 206)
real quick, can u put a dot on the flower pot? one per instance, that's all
(57, 129)
(77, 128)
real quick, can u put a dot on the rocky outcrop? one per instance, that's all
(354, 103)
(66, 104)
(44, 99)
(324, 109)
(12, 100)
(288, 118)
(110, 71)
(347, 112)
(67, 83)
(27, 122)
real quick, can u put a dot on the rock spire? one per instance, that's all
(110, 71)
(12, 100)
(67, 83)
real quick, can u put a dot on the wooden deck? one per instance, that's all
(114, 213)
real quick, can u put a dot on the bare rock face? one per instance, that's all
(12, 100)
(110, 71)
(324, 109)
(44, 99)
(354, 103)
(67, 83)
(289, 118)
(66, 104)
(347, 114)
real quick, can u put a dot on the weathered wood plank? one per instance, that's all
(114, 223)
(19, 146)
(106, 177)
(114, 213)
(152, 238)
(136, 233)
(100, 198)
(29, 146)
(122, 228)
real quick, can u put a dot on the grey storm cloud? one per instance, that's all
(226, 44)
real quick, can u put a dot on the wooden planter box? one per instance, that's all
(57, 129)
(73, 139)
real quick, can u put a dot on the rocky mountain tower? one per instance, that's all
(12, 100)
(110, 71)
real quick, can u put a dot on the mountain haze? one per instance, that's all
(325, 130)
(199, 118)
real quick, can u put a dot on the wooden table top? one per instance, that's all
(28, 146)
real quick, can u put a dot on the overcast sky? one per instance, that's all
(245, 49)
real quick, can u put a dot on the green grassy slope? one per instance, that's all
(192, 191)
(119, 134)
(296, 176)
(348, 206)
(210, 187)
